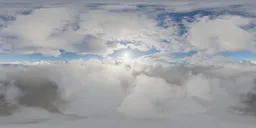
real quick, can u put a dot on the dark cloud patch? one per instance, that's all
(34, 91)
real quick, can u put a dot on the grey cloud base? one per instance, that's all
(103, 92)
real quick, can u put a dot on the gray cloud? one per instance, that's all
(93, 87)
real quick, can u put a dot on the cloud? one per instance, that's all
(34, 32)
(155, 90)
(82, 32)
(221, 34)
(107, 28)
(103, 89)
(140, 30)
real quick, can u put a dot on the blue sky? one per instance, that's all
(241, 55)
(39, 57)
(159, 13)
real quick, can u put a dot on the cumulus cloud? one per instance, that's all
(104, 28)
(155, 90)
(79, 32)
(33, 32)
(104, 89)
(221, 34)
(141, 31)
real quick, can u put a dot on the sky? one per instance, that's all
(128, 63)
(63, 32)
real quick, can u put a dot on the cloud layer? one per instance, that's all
(106, 91)
(104, 28)
(141, 78)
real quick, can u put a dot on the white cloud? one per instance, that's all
(123, 26)
(159, 87)
(34, 31)
(221, 34)
(68, 27)
(102, 30)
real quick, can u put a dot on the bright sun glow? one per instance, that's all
(126, 56)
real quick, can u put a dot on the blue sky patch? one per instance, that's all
(184, 54)
(38, 57)
(240, 55)
(177, 18)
